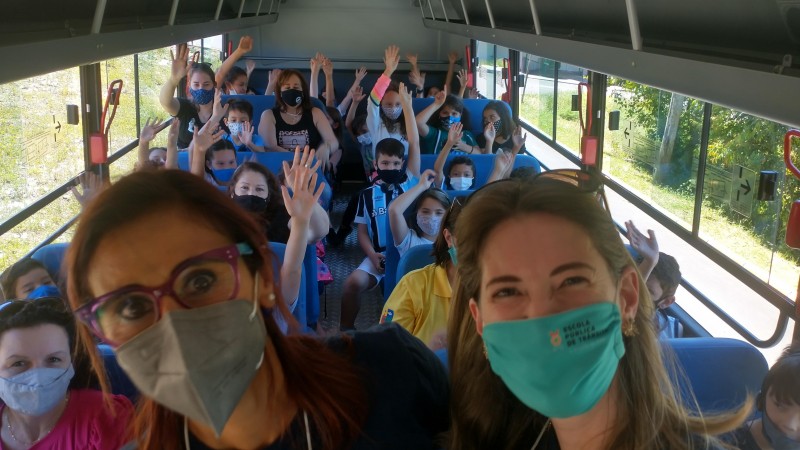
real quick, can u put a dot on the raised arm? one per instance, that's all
(327, 69)
(272, 81)
(415, 77)
(245, 45)
(453, 137)
(503, 163)
(399, 205)
(300, 204)
(246, 136)
(358, 96)
(250, 66)
(360, 74)
(329, 142)
(148, 133)
(172, 144)
(201, 141)
(462, 81)
(180, 67)
(451, 66)
(313, 83)
(489, 134)
(411, 131)
(425, 114)
(646, 246)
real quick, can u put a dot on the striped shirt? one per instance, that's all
(373, 209)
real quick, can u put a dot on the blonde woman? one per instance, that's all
(552, 343)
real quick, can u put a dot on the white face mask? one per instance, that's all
(461, 183)
(365, 139)
(429, 224)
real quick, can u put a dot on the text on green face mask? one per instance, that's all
(577, 333)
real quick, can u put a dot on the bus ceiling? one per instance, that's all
(741, 54)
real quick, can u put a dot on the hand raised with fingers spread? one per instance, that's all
(360, 74)
(503, 161)
(174, 131)
(417, 79)
(92, 184)
(455, 133)
(440, 97)
(273, 76)
(246, 135)
(245, 45)
(405, 94)
(646, 246)
(391, 58)
(150, 129)
(219, 110)
(316, 62)
(518, 138)
(303, 198)
(206, 137)
(180, 62)
(412, 59)
(251, 66)
(358, 94)
(302, 159)
(462, 77)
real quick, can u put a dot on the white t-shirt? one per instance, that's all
(412, 239)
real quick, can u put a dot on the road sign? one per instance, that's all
(743, 187)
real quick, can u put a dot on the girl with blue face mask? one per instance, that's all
(201, 89)
(435, 121)
(551, 338)
(43, 383)
(778, 427)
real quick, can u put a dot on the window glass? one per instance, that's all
(487, 71)
(537, 96)
(655, 151)
(568, 129)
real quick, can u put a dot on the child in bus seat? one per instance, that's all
(499, 130)
(388, 116)
(420, 302)
(233, 79)
(158, 157)
(461, 169)
(428, 205)
(24, 277)
(194, 113)
(371, 217)
(779, 404)
(239, 121)
(662, 275)
(337, 125)
(435, 121)
(212, 158)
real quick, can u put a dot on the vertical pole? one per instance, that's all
(430, 6)
(556, 68)
(537, 26)
(598, 83)
(633, 24)
(464, 8)
(136, 93)
(173, 12)
(489, 11)
(219, 10)
(444, 11)
(99, 12)
(91, 108)
(241, 8)
(701, 169)
(258, 9)
(513, 68)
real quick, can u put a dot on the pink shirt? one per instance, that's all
(86, 424)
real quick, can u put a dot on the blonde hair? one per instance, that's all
(485, 414)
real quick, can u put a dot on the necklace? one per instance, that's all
(41, 436)
(186, 432)
(541, 434)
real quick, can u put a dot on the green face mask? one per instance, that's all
(559, 365)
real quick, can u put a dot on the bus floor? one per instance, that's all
(342, 261)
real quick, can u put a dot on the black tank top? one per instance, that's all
(300, 134)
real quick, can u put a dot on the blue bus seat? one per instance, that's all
(262, 103)
(720, 371)
(299, 312)
(52, 256)
(117, 378)
(415, 258)
(484, 164)
(473, 105)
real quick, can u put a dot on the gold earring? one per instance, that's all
(629, 328)
(485, 351)
(271, 298)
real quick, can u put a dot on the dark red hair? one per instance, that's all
(325, 384)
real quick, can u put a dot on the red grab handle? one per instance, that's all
(787, 151)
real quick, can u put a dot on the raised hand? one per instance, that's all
(246, 135)
(206, 137)
(473, 93)
(391, 58)
(427, 178)
(358, 94)
(412, 59)
(180, 62)
(455, 133)
(503, 161)
(302, 159)
(92, 184)
(303, 198)
(327, 67)
(316, 62)
(174, 131)
(150, 129)
(462, 77)
(245, 45)
(518, 138)
(361, 72)
(440, 97)
(273, 75)
(405, 94)
(416, 78)
(251, 66)
(452, 57)
(489, 133)
(219, 110)
(646, 246)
